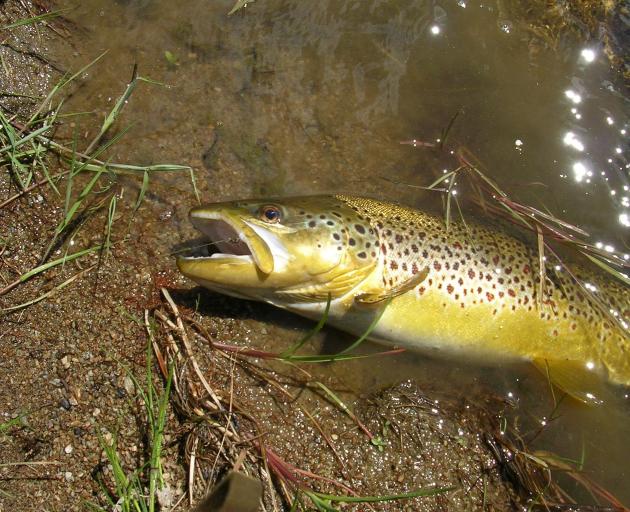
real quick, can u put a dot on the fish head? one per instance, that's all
(283, 251)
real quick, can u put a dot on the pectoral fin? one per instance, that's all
(575, 379)
(376, 296)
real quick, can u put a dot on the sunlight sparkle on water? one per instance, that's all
(573, 96)
(571, 140)
(580, 171)
(435, 30)
(587, 55)
(624, 219)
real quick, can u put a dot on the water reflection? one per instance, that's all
(309, 97)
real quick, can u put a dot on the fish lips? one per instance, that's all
(244, 258)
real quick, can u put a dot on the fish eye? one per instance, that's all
(270, 214)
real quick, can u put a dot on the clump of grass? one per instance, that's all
(196, 399)
(136, 490)
(28, 150)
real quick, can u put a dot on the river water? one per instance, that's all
(300, 97)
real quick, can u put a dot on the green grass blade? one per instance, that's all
(368, 331)
(35, 19)
(322, 321)
(47, 294)
(61, 261)
(143, 190)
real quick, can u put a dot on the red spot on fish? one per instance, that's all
(526, 269)
(450, 288)
(414, 268)
(471, 274)
(489, 296)
(495, 260)
(393, 265)
(437, 266)
(511, 293)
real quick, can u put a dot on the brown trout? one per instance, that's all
(469, 289)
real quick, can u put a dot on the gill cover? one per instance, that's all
(283, 250)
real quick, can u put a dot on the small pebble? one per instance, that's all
(68, 449)
(65, 403)
(65, 362)
(69, 476)
(129, 385)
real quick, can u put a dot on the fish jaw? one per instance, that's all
(247, 253)
(309, 248)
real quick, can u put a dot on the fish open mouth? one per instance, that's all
(223, 240)
(232, 241)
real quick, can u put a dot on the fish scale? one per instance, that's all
(494, 275)
(471, 289)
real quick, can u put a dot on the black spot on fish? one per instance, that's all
(312, 224)
(362, 255)
(330, 223)
(359, 228)
(352, 241)
(336, 236)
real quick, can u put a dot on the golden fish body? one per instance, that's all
(468, 289)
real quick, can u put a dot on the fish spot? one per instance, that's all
(312, 224)
(362, 255)
(336, 236)
(352, 241)
(360, 228)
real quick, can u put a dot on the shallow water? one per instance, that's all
(294, 97)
